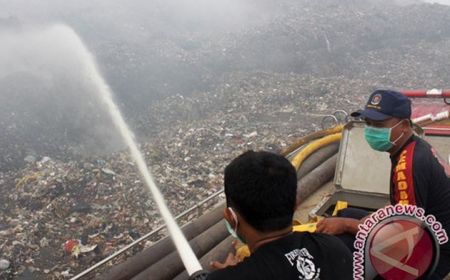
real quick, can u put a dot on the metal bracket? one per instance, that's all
(342, 116)
(327, 118)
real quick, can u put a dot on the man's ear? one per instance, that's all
(297, 203)
(407, 126)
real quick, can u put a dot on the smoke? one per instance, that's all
(197, 14)
(47, 107)
(150, 49)
(442, 2)
(146, 49)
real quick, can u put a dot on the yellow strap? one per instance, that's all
(339, 206)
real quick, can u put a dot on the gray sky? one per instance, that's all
(445, 2)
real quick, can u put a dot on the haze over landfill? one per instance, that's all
(198, 82)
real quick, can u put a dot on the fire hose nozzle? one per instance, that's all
(199, 275)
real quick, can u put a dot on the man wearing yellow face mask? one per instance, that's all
(418, 175)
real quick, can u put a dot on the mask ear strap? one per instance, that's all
(234, 217)
(398, 123)
(396, 140)
(401, 135)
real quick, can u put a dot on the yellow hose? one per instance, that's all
(314, 146)
(313, 136)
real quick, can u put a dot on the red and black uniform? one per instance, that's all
(420, 177)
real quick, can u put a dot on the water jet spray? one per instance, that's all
(92, 73)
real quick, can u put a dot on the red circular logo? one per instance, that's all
(401, 249)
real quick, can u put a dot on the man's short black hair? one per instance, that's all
(262, 187)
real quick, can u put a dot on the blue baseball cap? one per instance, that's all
(385, 104)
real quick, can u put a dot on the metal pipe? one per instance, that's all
(171, 265)
(316, 159)
(126, 271)
(316, 178)
(423, 93)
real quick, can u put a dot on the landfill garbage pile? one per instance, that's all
(266, 86)
(59, 217)
(373, 40)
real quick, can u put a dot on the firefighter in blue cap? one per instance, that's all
(425, 176)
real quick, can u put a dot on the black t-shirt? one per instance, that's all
(419, 176)
(300, 255)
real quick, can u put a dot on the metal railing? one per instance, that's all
(144, 237)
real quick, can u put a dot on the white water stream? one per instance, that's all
(92, 73)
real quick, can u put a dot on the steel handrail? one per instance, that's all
(144, 237)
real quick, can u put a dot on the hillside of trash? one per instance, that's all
(259, 88)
